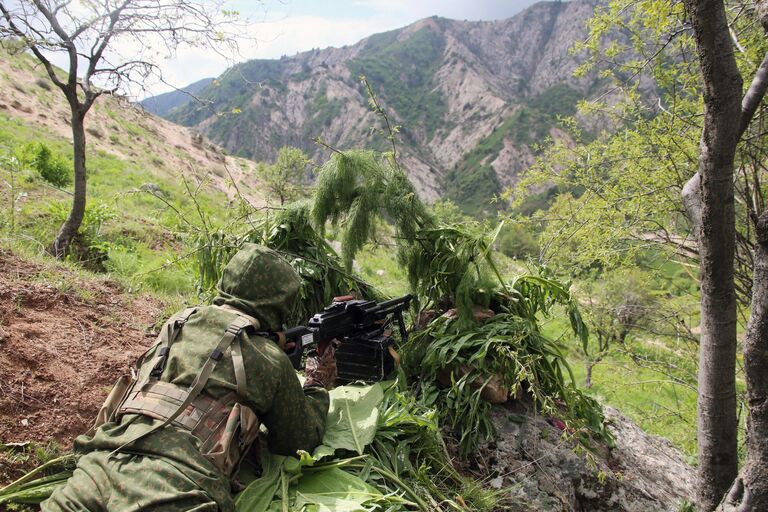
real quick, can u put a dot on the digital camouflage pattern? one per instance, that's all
(165, 470)
(260, 295)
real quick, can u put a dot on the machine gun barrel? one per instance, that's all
(400, 301)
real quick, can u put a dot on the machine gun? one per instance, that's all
(364, 331)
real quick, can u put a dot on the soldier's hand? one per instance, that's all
(320, 369)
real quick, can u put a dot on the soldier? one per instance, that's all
(175, 438)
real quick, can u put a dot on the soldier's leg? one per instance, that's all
(129, 483)
(83, 491)
(150, 484)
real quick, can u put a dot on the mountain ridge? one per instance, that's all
(464, 93)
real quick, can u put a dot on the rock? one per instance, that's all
(541, 471)
(493, 388)
(480, 73)
(153, 188)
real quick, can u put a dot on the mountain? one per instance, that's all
(164, 104)
(473, 98)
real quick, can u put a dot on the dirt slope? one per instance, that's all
(64, 339)
(122, 129)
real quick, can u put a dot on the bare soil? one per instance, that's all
(164, 148)
(64, 340)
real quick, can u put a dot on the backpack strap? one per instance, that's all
(237, 362)
(168, 335)
(237, 353)
(231, 334)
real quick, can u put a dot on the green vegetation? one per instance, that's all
(474, 188)
(403, 71)
(131, 228)
(285, 179)
(381, 449)
(322, 112)
(518, 241)
(635, 345)
(473, 184)
(559, 100)
(510, 347)
(52, 169)
(229, 93)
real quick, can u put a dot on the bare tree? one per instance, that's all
(709, 200)
(88, 34)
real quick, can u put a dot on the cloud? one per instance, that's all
(273, 39)
(285, 27)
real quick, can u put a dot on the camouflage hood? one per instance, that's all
(257, 281)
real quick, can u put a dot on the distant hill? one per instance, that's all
(164, 104)
(473, 98)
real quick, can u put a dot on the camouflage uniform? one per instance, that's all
(165, 470)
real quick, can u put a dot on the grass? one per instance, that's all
(146, 237)
(653, 401)
(378, 265)
(651, 381)
(145, 233)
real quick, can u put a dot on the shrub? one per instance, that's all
(89, 247)
(52, 168)
(43, 84)
(517, 242)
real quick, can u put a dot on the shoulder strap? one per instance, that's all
(230, 335)
(168, 335)
(237, 362)
(237, 352)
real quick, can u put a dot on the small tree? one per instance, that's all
(619, 302)
(15, 161)
(285, 177)
(87, 33)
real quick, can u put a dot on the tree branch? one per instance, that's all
(32, 46)
(749, 104)
(754, 96)
(68, 43)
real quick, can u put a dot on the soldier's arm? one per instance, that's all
(296, 420)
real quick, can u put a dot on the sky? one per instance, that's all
(285, 27)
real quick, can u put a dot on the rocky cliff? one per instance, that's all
(473, 98)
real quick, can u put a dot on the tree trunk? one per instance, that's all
(588, 365)
(70, 227)
(717, 423)
(750, 491)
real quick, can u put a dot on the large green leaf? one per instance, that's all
(333, 490)
(352, 418)
(259, 494)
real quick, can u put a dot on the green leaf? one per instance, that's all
(352, 418)
(260, 492)
(333, 490)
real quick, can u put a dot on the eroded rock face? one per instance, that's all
(450, 84)
(541, 470)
